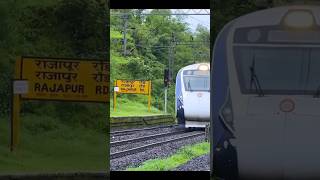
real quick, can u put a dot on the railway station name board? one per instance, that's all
(65, 79)
(59, 79)
(132, 87)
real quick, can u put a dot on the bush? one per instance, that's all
(39, 124)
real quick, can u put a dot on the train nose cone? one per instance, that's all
(197, 106)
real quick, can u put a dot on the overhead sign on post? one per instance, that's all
(132, 87)
(59, 79)
(66, 79)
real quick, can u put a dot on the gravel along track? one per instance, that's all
(161, 151)
(136, 134)
(126, 131)
(144, 138)
(201, 163)
(150, 141)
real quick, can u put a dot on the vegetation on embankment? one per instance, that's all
(181, 157)
(126, 107)
(49, 145)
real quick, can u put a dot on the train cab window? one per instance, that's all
(313, 81)
(277, 70)
(196, 83)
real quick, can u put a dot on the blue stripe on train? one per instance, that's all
(179, 100)
(224, 160)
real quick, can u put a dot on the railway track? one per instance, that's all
(121, 142)
(115, 133)
(143, 147)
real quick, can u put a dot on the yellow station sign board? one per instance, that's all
(65, 79)
(57, 79)
(133, 87)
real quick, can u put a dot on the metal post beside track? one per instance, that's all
(165, 99)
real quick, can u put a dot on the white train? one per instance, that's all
(266, 85)
(193, 95)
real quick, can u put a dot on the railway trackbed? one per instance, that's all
(121, 132)
(137, 149)
(122, 142)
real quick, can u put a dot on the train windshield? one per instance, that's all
(279, 70)
(196, 83)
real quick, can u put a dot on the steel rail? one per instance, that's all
(140, 129)
(126, 141)
(140, 148)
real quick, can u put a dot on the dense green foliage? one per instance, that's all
(148, 44)
(54, 136)
(51, 28)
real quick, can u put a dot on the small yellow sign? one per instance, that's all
(65, 79)
(133, 86)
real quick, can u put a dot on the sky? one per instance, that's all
(194, 20)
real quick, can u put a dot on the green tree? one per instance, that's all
(150, 38)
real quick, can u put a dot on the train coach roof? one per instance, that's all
(271, 16)
(195, 66)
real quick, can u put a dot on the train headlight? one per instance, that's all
(203, 67)
(299, 19)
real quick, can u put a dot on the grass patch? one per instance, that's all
(181, 157)
(126, 107)
(48, 145)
